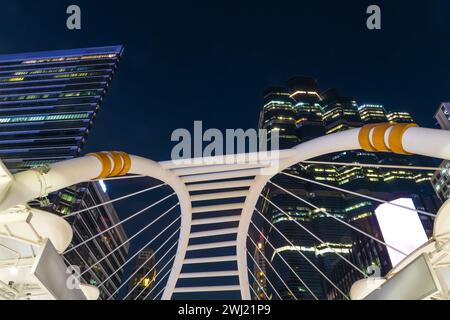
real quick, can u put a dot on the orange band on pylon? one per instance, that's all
(396, 137)
(378, 137)
(126, 160)
(364, 137)
(105, 162)
(118, 163)
(378, 141)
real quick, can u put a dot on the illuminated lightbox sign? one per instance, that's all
(401, 228)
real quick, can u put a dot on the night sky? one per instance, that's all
(211, 60)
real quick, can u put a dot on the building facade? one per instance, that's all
(316, 113)
(260, 272)
(442, 116)
(441, 179)
(142, 282)
(48, 104)
(88, 257)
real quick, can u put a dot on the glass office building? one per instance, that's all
(441, 179)
(142, 283)
(49, 101)
(96, 270)
(317, 113)
(48, 104)
(442, 116)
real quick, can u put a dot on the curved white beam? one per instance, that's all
(155, 170)
(179, 176)
(31, 184)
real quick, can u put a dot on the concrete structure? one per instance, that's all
(28, 230)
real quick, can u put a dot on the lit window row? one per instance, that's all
(61, 59)
(50, 95)
(49, 70)
(318, 251)
(53, 117)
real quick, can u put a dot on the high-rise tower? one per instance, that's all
(142, 282)
(48, 104)
(49, 101)
(442, 116)
(316, 114)
(441, 179)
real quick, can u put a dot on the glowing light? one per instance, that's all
(103, 185)
(304, 92)
(146, 282)
(401, 228)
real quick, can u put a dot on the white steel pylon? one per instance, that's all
(239, 178)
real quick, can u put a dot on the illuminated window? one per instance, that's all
(12, 79)
(63, 209)
(53, 117)
(68, 197)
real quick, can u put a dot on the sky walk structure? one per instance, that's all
(33, 241)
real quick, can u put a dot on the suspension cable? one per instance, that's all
(359, 194)
(254, 293)
(119, 223)
(374, 165)
(152, 268)
(131, 238)
(90, 253)
(165, 265)
(340, 220)
(259, 285)
(265, 275)
(154, 253)
(68, 263)
(113, 200)
(165, 275)
(284, 260)
(273, 268)
(305, 257)
(142, 248)
(160, 291)
(316, 237)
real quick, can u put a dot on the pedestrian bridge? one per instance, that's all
(33, 242)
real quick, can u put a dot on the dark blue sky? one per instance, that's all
(211, 60)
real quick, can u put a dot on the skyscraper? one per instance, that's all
(400, 117)
(142, 282)
(316, 114)
(278, 115)
(340, 112)
(260, 272)
(441, 179)
(48, 103)
(442, 115)
(372, 113)
(89, 257)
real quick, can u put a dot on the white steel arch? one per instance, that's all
(196, 181)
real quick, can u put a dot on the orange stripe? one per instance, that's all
(364, 137)
(105, 162)
(118, 163)
(378, 137)
(396, 136)
(126, 160)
